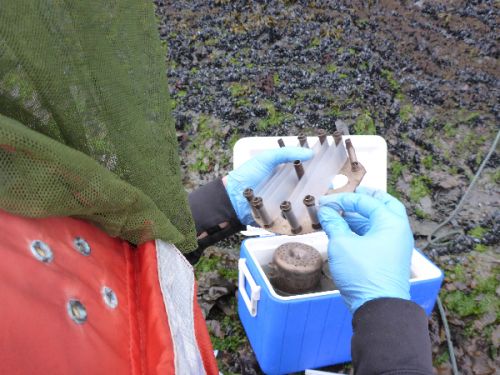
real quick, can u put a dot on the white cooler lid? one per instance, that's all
(371, 151)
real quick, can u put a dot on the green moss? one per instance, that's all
(391, 189)
(406, 112)
(237, 89)
(274, 117)
(476, 302)
(488, 285)
(466, 117)
(181, 93)
(469, 331)
(395, 172)
(215, 263)
(461, 303)
(481, 248)
(450, 130)
(331, 68)
(243, 102)
(207, 264)
(276, 79)
(315, 42)
(229, 273)
(442, 359)
(233, 139)
(365, 124)
(211, 42)
(458, 273)
(478, 232)
(352, 51)
(397, 169)
(232, 341)
(290, 103)
(343, 76)
(471, 142)
(393, 83)
(427, 161)
(419, 188)
(479, 158)
(421, 213)
(334, 111)
(234, 61)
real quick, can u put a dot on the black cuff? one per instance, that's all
(211, 206)
(391, 337)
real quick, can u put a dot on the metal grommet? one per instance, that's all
(76, 311)
(109, 296)
(41, 251)
(81, 246)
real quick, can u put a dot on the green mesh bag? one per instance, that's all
(85, 123)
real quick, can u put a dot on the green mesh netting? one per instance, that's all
(85, 124)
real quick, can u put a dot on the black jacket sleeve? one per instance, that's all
(210, 206)
(391, 337)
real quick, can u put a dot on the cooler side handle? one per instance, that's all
(244, 274)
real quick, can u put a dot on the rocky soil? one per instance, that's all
(424, 75)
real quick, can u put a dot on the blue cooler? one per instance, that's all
(294, 333)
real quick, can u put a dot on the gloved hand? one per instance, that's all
(370, 248)
(256, 170)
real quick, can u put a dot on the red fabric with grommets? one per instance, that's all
(39, 333)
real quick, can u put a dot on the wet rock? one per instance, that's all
(487, 319)
(444, 369)
(426, 205)
(215, 328)
(444, 180)
(422, 227)
(211, 287)
(495, 337)
(482, 365)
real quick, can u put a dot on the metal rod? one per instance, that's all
(299, 168)
(258, 203)
(303, 140)
(312, 210)
(322, 135)
(286, 210)
(352, 155)
(337, 136)
(281, 143)
(248, 194)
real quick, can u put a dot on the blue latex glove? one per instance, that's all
(256, 170)
(370, 248)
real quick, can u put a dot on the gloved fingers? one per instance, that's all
(332, 223)
(364, 205)
(390, 202)
(358, 223)
(272, 158)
